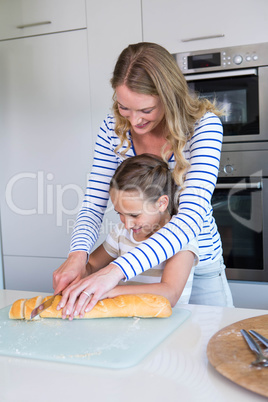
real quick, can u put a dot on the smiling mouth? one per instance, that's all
(142, 125)
(136, 230)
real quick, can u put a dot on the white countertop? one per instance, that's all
(177, 370)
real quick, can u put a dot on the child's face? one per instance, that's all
(140, 215)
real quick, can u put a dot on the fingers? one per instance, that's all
(74, 298)
(82, 296)
(80, 305)
(59, 282)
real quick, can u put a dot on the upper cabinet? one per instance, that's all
(112, 26)
(21, 18)
(183, 25)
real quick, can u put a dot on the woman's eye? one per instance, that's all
(122, 107)
(147, 111)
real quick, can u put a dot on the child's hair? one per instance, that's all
(147, 174)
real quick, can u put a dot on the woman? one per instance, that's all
(153, 113)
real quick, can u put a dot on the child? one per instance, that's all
(145, 196)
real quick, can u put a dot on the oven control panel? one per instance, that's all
(222, 59)
(227, 168)
(244, 163)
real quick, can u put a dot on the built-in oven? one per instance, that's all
(237, 78)
(240, 210)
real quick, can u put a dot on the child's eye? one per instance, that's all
(134, 216)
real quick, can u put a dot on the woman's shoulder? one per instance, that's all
(208, 118)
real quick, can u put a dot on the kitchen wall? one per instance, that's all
(55, 91)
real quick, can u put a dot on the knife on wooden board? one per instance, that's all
(37, 310)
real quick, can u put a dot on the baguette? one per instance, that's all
(142, 305)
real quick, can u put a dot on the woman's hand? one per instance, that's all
(70, 272)
(74, 301)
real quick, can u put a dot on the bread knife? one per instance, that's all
(37, 310)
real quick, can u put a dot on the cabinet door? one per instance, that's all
(19, 18)
(112, 25)
(180, 25)
(46, 144)
(30, 273)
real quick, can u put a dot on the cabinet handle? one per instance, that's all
(224, 74)
(34, 24)
(203, 37)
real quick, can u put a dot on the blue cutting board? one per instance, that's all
(100, 342)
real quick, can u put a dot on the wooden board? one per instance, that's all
(100, 342)
(229, 354)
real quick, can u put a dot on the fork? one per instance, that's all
(261, 360)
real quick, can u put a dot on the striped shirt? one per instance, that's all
(120, 241)
(194, 218)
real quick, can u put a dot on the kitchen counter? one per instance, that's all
(178, 369)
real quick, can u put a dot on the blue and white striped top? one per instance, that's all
(194, 218)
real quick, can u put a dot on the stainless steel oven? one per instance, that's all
(238, 78)
(240, 210)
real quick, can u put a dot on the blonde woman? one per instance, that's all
(153, 112)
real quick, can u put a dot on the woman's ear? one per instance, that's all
(163, 202)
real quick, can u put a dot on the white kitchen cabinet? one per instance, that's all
(112, 26)
(179, 25)
(30, 273)
(19, 18)
(46, 143)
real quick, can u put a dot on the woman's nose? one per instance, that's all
(135, 119)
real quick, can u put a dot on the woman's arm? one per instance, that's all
(174, 278)
(194, 206)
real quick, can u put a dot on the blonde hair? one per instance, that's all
(148, 68)
(149, 175)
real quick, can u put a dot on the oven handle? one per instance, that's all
(196, 77)
(242, 186)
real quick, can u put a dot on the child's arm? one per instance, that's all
(174, 278)
(98, 259)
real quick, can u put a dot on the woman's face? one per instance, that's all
(144, 112)
(141, 216)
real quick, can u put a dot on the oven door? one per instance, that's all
(243, 94)
(238, 206)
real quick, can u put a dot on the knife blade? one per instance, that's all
(43, 306)
(260, 337)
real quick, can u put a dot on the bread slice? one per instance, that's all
(17, 310)
(30, 304)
